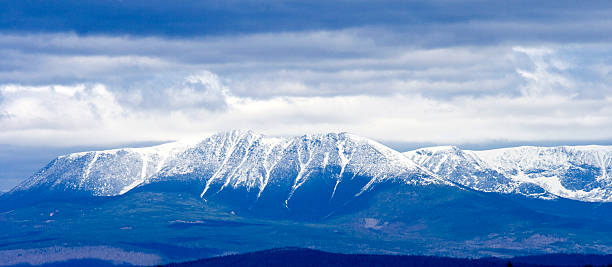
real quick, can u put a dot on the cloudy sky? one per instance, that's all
(80, 74)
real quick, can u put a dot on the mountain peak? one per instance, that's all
(438, 149)
(237, 160)
(246, 160)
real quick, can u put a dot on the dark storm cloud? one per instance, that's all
(453, 21)
(348, 62)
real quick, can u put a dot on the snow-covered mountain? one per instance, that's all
(102, 173)
(253, 161)
(240, 190)
(236, 160)
(463, 167)
(576, 172)
(326, 166)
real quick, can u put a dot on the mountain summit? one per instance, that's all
(259, 164)
(251, 165)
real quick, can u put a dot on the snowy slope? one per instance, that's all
(249, 161)
(102, 173)
(578, 172)
(233, 160)
(575, 172)
(462, 167)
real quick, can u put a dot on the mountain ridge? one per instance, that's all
(241, 165)
(248, 160)
(574, 172)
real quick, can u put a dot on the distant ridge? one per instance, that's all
(309, 257)
(248, 161)
(575, 172)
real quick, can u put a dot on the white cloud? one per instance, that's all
(546, 76)
(202, 90)
(45, 107)
(92, 115)
(63, 89)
